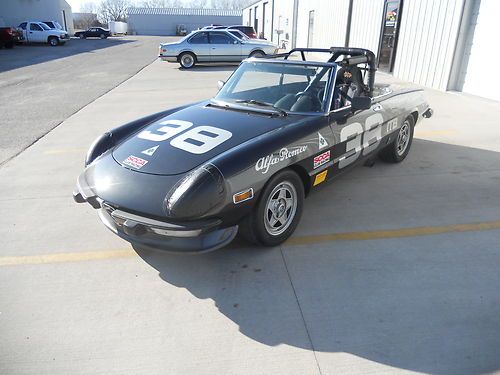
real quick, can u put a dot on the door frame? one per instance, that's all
(396, 36)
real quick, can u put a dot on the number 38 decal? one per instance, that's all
(198, 140)
(360, 139)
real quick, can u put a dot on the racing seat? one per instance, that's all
(349, 84)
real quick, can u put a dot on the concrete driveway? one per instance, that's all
(41, 86)
(393, 268)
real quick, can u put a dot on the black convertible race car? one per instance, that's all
(189, 178)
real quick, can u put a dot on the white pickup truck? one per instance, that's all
(38, 32)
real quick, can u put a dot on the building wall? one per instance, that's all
(330, 22)
(366, 24)
(427, 41)
(150, 24)
(264, 26)
(283, 21)
(13, 12)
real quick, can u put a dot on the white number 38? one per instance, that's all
(198, 140)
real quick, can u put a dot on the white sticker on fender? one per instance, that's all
(150, 151)
(322, 141)
(135, 162)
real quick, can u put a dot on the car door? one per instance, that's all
(93, 32)
(224, 47)
(200, 46)
(36, 33)
(358, 134)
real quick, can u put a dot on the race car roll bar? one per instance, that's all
(352, 56)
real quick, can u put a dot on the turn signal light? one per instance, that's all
(243, 196)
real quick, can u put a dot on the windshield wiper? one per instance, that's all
(261, 104)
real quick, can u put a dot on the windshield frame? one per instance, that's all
(328, 92)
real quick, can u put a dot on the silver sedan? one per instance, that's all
(205, 46)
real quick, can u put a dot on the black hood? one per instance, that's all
(180, 153)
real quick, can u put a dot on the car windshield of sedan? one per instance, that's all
(283, 87)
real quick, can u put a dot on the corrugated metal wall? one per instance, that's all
(330, 22)
(427, 41)
(366, 23)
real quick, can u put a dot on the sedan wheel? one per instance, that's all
(102, 36)
(187, 60)
(278, 211)
(82, 36)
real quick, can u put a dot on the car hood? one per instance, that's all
(192, 136)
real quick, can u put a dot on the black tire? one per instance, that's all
(102, 36)
(281, 199)
(53, 41)
(396, 151)
(82, 36)
(9, 45)
(257, 53)
(187, 60)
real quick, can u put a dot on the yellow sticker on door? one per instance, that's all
(320, 177)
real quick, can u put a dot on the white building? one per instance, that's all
(443, 44)
(13, 12)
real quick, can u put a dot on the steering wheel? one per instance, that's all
(320, 94)
(316, 102)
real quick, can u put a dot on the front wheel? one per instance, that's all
(53, 41)
(187, 60)
(278, 211)
(102, 36)
(396, 152)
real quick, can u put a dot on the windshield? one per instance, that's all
(284, 86)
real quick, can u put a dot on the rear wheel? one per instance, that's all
(53, 41)
(278, 211)
(397, 150)
(187, 60)
(257, 54)
(82, 36)
(9, 45)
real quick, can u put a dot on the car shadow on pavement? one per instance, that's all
(211, 68)
(31, 54)
(428, 304)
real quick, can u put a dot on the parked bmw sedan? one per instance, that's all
(205, 46)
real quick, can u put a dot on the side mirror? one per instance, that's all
(220, 84)
(361, 103)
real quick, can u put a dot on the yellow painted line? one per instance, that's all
(394, 233)
(302, 240)
(65, 151)
(66, 257)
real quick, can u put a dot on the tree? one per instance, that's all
(162, 3)
(113, 10)
(198, 4)
(230, 4)
(87, 16)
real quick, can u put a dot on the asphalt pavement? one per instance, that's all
(393, 269)
(41, 86)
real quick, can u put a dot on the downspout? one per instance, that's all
(295, 22)
(349, 21)
(272, 22)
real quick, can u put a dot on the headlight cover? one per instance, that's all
(99, 147)
(196, 194)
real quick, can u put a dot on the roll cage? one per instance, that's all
(351, 57)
